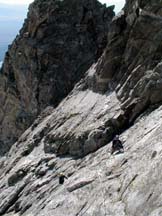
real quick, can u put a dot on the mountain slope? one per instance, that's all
(118, 94)
(58, 42)
(98, 184)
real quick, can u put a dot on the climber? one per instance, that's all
(137, 12)
(117, 145)
(62, 178)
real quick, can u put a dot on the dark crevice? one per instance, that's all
(150, 195)
(132, 180)
(13, 198)
(85, 11)
(83, 206)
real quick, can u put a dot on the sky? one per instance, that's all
(18, 2)
(119, 3)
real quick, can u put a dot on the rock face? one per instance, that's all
(118, 94)
(131, 63)
(59, 41)
(126, 184)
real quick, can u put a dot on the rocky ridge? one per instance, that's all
(119, 94)
(59, 41)
(131, 63)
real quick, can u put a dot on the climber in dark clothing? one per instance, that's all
(117, 145)
(137, 12)
(62, 178)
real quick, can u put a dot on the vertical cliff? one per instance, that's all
(131, 63)
(59, 41)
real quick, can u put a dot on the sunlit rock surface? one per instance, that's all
(119, 94)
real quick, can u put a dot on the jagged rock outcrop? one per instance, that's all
(131, 63)
(119, 94)
(59, 41)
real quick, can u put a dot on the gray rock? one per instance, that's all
(98, 183)
(59, 41)
(131, 62)
(75, 137)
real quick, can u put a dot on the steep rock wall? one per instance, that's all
(57, 44)
(131, 63)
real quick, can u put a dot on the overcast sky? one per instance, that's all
(119, 3)
(16, 1)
